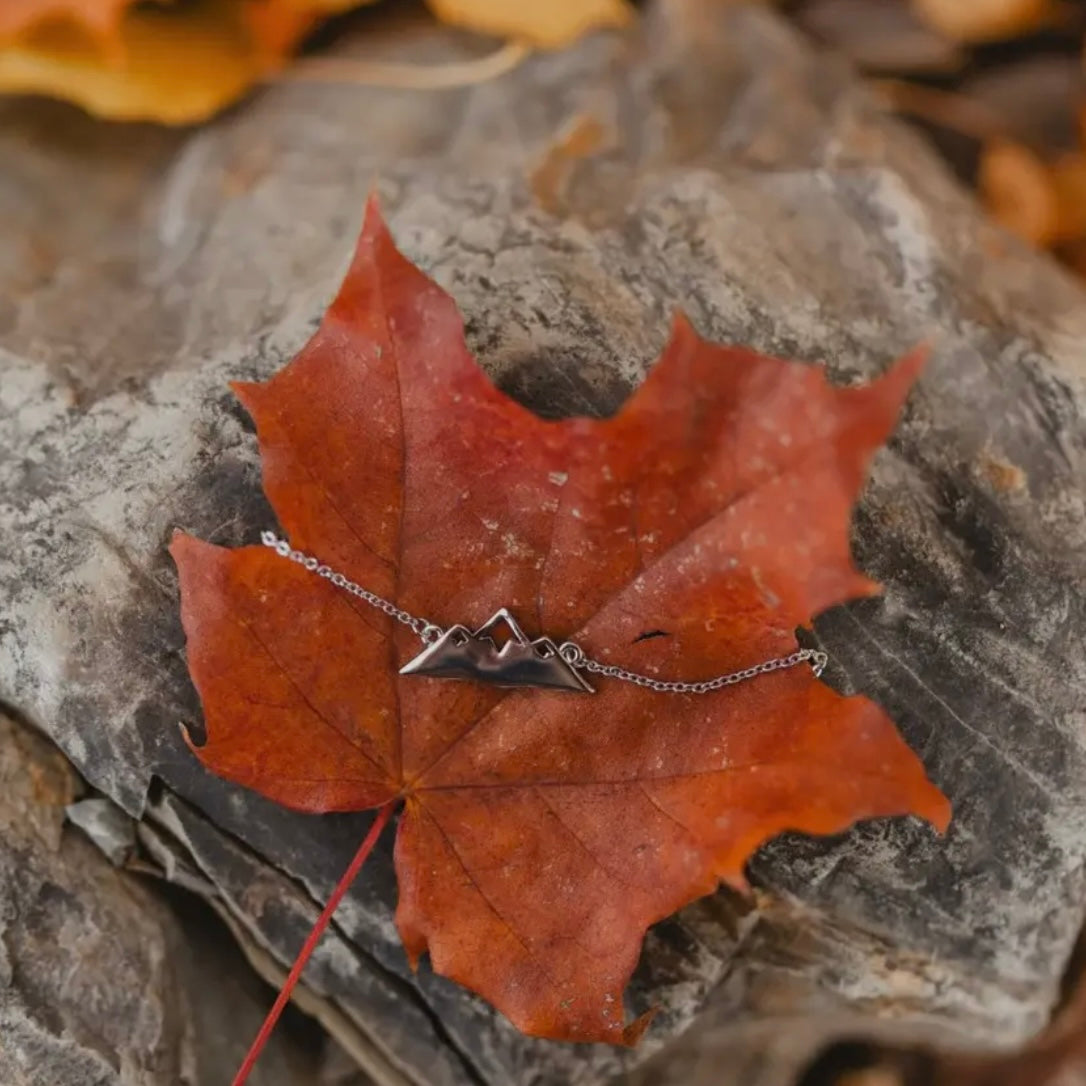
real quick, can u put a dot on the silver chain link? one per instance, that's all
(427, 631)
(570, 651)
(575, 657)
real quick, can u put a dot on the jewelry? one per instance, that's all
(474, 655)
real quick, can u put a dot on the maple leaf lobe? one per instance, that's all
(543, 833)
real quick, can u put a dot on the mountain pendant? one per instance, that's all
(460, 653)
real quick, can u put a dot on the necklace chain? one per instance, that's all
(429, 632)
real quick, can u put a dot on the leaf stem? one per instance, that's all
(423, 77)
(312, 939)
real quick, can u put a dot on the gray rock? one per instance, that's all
(101, 982)
(107, 826)
(724, 168)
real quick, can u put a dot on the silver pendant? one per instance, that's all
(460, 653)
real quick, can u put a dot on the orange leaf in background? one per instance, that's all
(543, 832)
(99, 18)
(180, 62)
(550, 25)
(985, 20)
(1042, 201)
(175, 63)
(1017, 189)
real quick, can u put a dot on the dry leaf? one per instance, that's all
(984, 20)
(551, 24)
(182, 62)
(1042, 202)
(176, 64)
(542, 831)
(1017, 188)
(97, 18)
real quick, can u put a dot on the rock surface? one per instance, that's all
(708, 160)
(102, 983)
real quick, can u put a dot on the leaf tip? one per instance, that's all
(905, 372)
(186, 735)
(865, 586)
(412, 938)
(737, 881)
(246, 392)
(936, 809)
(632, 1034)
(374, 225)
(373, 214)
(374, 248)
(683, 331)
(914, 362)
(180, 544)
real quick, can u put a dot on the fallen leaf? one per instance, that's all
(171, 63)
(1041, 201)
(1017, 188)
(543, 832)
(275, 27)
(97, 17)
(553, 24)
(179, 63)
(985, 20)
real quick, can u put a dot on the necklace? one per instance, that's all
(474, 655)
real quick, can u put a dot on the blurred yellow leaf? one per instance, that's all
(1016, 187)
(172, 64)
(99, 18)
(1043, 202)
(277, 26)
(984, 20)
(549, 23)
(180, 61)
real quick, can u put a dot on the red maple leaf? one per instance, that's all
(543, 831)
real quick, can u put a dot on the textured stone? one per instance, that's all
(708, 160)
(107, 826)
(101, 982)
